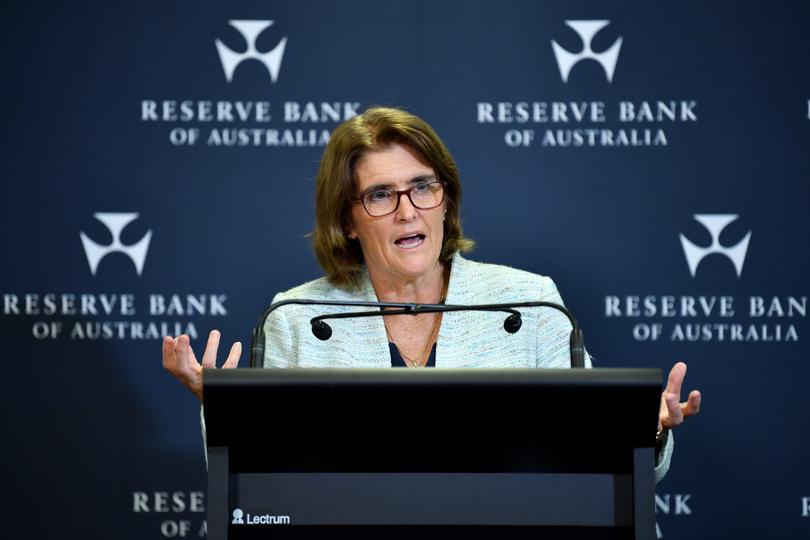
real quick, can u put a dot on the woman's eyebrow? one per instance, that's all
(375, 187)
(390, 186)
(423, 178)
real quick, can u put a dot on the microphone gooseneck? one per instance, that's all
(322, 331)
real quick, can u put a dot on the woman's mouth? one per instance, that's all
(410, 242)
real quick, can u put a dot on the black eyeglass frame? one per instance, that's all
(361, 198)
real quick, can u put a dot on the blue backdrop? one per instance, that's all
(649, 136)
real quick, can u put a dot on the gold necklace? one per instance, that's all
(425, 356)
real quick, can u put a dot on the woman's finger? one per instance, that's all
(674, 413)
(233, 357)
(185, 359)
(209, 359)
(692, 405)
(675, 379)
(168, 352)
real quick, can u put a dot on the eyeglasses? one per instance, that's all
(423, 195)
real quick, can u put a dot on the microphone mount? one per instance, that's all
(323, 331)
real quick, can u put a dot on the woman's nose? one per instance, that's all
(405, 208)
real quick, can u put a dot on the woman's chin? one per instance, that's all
(419, 268)
(410, 267)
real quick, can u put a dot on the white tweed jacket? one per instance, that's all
(466, 339)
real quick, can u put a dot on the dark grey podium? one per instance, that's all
(433, 453)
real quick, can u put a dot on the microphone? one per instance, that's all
(323, 331)
(513, 323)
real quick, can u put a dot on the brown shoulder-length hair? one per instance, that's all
(335, 187)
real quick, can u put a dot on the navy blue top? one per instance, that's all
(398, 361)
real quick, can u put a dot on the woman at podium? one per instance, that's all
(388, 229)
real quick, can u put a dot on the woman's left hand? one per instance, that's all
(672, 412)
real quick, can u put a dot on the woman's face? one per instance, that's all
(405, 244)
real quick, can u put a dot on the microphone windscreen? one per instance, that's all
(321, 330)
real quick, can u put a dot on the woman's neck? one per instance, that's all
(424, 289)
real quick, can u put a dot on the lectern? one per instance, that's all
(433, 453)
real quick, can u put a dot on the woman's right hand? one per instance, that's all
(179, 360)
